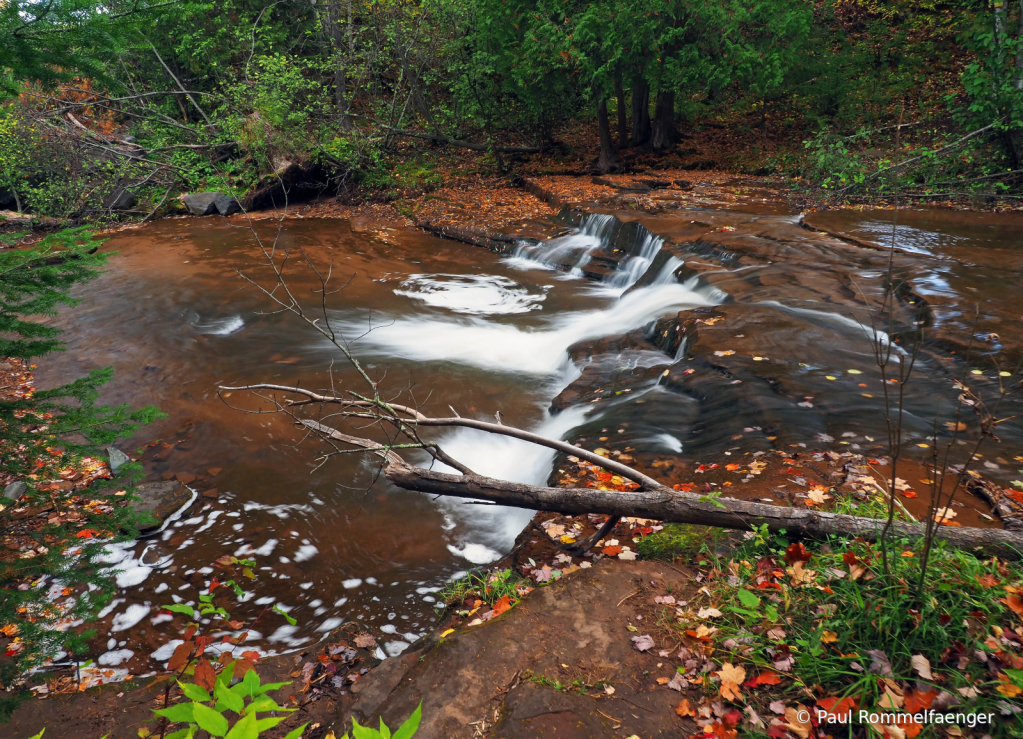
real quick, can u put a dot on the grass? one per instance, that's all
(831, 625)
(682, 541)
(484, 585)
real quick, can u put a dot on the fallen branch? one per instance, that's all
(662, 503)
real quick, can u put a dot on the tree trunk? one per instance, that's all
(607, 159)
(664, 121)
(665, 504)
(1018, 80)
(641, 111)
(623, 133)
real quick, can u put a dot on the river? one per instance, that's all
(777, 352)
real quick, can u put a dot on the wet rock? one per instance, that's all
(120, 199)
(208, 203)
(159, 500)
(117, 458)
(15, 490)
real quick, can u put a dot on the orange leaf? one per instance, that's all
(917, 700)
(1015, 604)
(180, 656)
(684, 708)
(86, 533)
(988, 581)
(732, 467)
(502, 605)
(612, 551)
(205, 676)
(836, 705)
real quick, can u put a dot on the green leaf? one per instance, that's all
(210, 720)
(246, 728)
(411, 725)
(37, 736)
(384, 731)
(188, 733)
(289, 619)
(228, 698)
(297, 733)
(1016, 676)
(748, 599)
(180, 713)
(266, 703)
(194, 692)
(180, 608)
(251, 682)
(267, 687)
(770, 612)
(364, 732)
(264, 724)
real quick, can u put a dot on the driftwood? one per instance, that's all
(662, 503)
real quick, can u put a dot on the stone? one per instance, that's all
(202, 203)
(208, 203)
(15, 490)
(160, 500)
(226, 205)
(117, 458)
(120, 199)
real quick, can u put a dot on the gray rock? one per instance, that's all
(202, 203)
(15, 490)
(120, 199)
(117, 458)
(160, 500)
(208, 203)
(227, 206)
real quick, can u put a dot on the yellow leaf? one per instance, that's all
(829, 636)
(446, 633)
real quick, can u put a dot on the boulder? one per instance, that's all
(208, 203)
(15, 490)
(202, 203)
(227, 206)
(120, 199)
(160, 500)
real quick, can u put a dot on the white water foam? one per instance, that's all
(472, 294)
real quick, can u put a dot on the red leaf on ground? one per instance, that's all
(988, 581)
(797, 553)
(836, 705)
(767, 677)
(611, 551)
(850, 559)
(1015, 604)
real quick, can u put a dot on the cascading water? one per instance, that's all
(571, 252)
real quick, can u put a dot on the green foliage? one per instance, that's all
(54, 41)
(406, 731)
(679, 541)
(827, 629)
(212, 713)
(488, 587)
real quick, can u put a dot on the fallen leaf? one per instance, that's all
(793, 724)
(502, 605)
(766, 677)
(684, 708)
(612, 551)
(365, 641)
(709, 613)
(801, 575)
(643, 643)
(988, 581)
(829, 637)
(777, 706)
(922, 666)
(919, 700)
(1007, 687)
(944, 514)
(797, 553)
(1015, 604)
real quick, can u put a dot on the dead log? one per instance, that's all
(665, 504)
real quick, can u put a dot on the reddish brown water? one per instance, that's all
(456, 325)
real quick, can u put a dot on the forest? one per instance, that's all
(369, 99)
